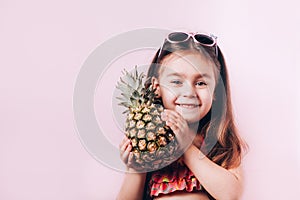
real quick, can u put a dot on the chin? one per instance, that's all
(191, 120)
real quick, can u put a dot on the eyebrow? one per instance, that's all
(182, 75)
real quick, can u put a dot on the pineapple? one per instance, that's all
(154, 144)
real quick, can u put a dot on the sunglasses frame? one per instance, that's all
(212, 37)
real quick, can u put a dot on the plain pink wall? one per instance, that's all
(44, 44)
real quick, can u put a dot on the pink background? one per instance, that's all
(44, 44)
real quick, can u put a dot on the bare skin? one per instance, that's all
(186, 87)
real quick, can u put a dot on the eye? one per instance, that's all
(201, 83)
(176, 82)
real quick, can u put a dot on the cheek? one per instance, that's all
(168, 96)
(206, 97)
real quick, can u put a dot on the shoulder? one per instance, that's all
(238, 172)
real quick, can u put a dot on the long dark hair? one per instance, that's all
(222, 142)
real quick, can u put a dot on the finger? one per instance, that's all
(180, 128)
(173, 123)
(175, 118)
(130, 159)
(125, 154)
(173, 127)
(179, 122)
(173, 114)
(123, 142)
(163, 116)
(167, 116)
(125, 145)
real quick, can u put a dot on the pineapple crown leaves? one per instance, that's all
(133, 92)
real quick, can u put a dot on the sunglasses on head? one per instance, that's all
(198, 38)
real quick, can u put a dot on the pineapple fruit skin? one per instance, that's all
(154, 143)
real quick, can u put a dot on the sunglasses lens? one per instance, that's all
(178, 37)
(204, 39)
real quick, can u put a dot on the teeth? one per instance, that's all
(188, 105)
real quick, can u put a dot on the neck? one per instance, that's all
(194, 126)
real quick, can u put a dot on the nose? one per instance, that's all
(188, 90)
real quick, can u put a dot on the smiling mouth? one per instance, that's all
(188, 105)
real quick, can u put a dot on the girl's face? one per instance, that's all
(186, 84)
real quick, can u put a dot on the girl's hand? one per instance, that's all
(125, 148)
(179, 126)
(126, 155)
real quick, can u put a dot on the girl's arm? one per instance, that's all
(218, 181)
(134, 182)
(132, 187)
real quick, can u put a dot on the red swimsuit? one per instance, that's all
(171, 178)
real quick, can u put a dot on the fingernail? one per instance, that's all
(163, 116)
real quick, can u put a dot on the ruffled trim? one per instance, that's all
(172, 178)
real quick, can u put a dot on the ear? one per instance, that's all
(155, 84)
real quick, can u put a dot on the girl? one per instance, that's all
(190, 77)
